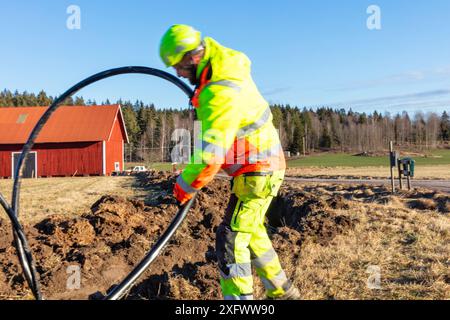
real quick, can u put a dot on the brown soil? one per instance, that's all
(108, 241)
(117, 232)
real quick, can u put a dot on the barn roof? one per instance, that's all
(67, 124)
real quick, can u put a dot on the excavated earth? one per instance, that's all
(105, 243)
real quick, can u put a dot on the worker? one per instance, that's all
(238, 136)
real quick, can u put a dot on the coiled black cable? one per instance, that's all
(23, 249)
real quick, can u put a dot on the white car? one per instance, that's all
(139, 169)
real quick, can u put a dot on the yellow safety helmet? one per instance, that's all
(176, 42)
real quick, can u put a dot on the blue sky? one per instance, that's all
(305, 53)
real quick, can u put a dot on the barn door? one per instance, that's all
(30, 165)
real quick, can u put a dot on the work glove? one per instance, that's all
(180, 194)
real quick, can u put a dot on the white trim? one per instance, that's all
(104, 157)
(112, 127)
(123, 123)
(35, 163)
(123, 155)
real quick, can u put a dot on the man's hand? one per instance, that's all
(180, 194)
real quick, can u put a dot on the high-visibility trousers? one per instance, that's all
(242, 240)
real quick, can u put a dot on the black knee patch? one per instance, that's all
(225, 243)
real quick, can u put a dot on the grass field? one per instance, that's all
(436, 157)
(436, 165)
(437, 172)
(410, 248)
(72, 196)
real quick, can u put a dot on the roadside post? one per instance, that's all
(400, 181)
(393, 157)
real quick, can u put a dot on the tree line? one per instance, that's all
(301, 130)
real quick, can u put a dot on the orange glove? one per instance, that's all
(180, 194)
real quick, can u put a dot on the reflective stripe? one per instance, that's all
(214, 148)
(187, 188)
(254, 158)
(237, 270)
(265, 259)
(279, 281)
(242, 297)
(255, 125)
(225, 83)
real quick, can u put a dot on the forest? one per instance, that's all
(301, 130)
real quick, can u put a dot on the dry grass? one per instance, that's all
(441, 172)
(411, 248)
(70, 196)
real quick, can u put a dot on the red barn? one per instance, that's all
(76, 141)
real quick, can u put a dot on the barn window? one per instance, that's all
(22, 118)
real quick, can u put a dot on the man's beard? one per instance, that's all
(193, 74)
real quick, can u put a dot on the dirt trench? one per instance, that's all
(105, 243)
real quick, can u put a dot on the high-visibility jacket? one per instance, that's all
(237, 133)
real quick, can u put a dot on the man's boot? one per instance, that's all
(291, 294)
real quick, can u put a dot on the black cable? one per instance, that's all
(23, 249)
(122, 289)
(97, 77)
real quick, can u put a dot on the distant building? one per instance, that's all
(76, 141)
